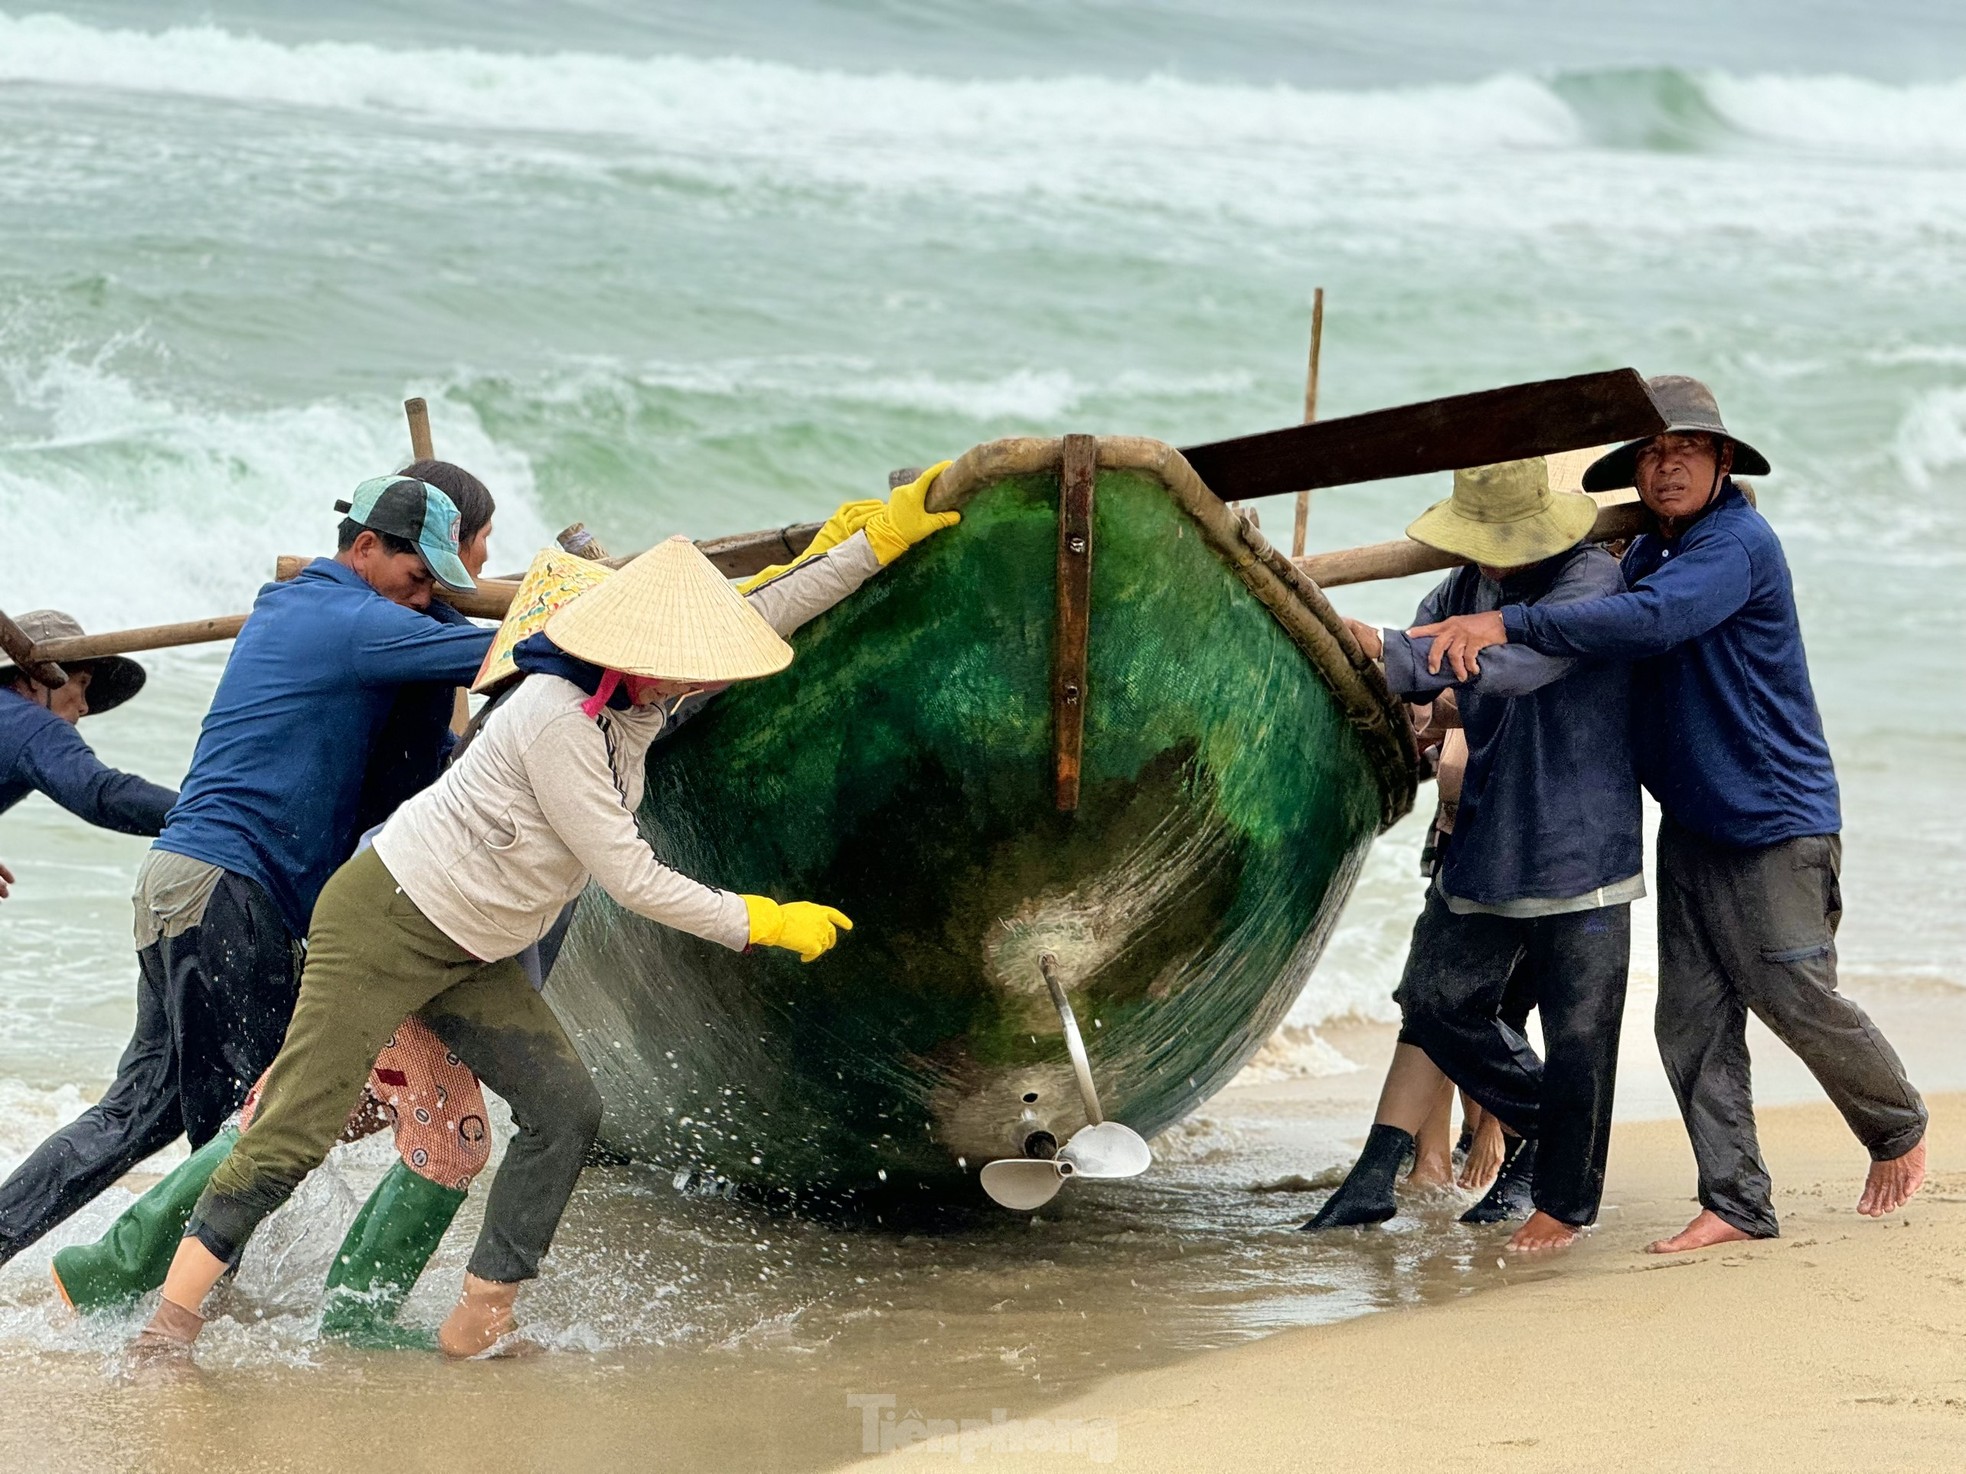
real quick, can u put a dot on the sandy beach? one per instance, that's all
(1836, 1346)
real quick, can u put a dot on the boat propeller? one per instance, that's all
(1101, 1149)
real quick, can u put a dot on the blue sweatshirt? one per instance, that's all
(413, 744)
(277, 775)
(1549, 804)
(38, 750)
(1725, 729)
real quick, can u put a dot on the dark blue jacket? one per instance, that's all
(38, 750)
(1549, 805)
(1725, 729)
(277, 775)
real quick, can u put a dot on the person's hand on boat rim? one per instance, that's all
(804, 927)
(6, 880)
(906, 520)
(1369, 639)
(847, 519)
(1459, 641)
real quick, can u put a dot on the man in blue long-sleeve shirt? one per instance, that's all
(266, 815)
(41, 751)
(1727, 737)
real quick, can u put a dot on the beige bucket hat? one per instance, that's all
(1508, 515)
(554, 577)
(669, 615)
(113, 679)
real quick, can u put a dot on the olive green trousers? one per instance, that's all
(372, 959)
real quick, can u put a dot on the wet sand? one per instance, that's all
(699, 1334)
(1835, 1347)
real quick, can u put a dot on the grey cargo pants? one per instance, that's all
(1755, 930)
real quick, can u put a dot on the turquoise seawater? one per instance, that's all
(706, 268)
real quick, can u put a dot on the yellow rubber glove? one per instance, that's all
(843, 524)
(804, 927)
(906, 520)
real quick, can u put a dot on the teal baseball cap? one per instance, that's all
(416, 512)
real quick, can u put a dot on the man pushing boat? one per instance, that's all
(267, 812)
(42, 752)
(1541, 868)
(1728, 739)
(476, 868)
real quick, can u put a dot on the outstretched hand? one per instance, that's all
(1459, 641)
(6, 880)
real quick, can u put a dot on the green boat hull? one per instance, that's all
(1239, 757)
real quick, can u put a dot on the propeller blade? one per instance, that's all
(1479, 429)
(1023, 1183)
(1106, 1150)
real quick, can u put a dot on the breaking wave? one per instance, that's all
(826, 123)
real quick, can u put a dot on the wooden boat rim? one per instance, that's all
(1292, 597)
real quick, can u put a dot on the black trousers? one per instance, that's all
(1754, 931)
(212, 1006)
(1452, 996)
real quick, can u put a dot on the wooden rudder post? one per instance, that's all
(1072, 632)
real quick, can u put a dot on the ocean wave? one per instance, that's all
(734, 104)
(188, 504)
(1931, 438)
(828, 124)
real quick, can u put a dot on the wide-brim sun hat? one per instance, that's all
(1507, 516)
(555, 577)
(670, 616)
(113, 679)
(1688, 408)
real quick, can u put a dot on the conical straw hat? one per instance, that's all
(670, 615)
(554, 578)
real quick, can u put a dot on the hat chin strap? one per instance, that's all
(610, 683)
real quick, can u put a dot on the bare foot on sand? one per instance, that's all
(1542, 1234)
(1702, 1233)
(1891, 1184)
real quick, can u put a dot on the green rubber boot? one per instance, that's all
(377, 1266)
(131, 1259)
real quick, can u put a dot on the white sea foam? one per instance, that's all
(686, 102)
(182, 498)
(1845, 114)
(821, 122)
(1932, 436)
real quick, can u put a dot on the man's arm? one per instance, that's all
(1509, 670)
(392, 646)
(1513, 670)
(62, 765)
(1679, 601)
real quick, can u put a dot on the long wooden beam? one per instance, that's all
(1615, 519)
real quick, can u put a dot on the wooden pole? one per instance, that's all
(581, 543)
(20, 649)
(1615, 519)
(150, 637)
(1310, 413)
(418, 414)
